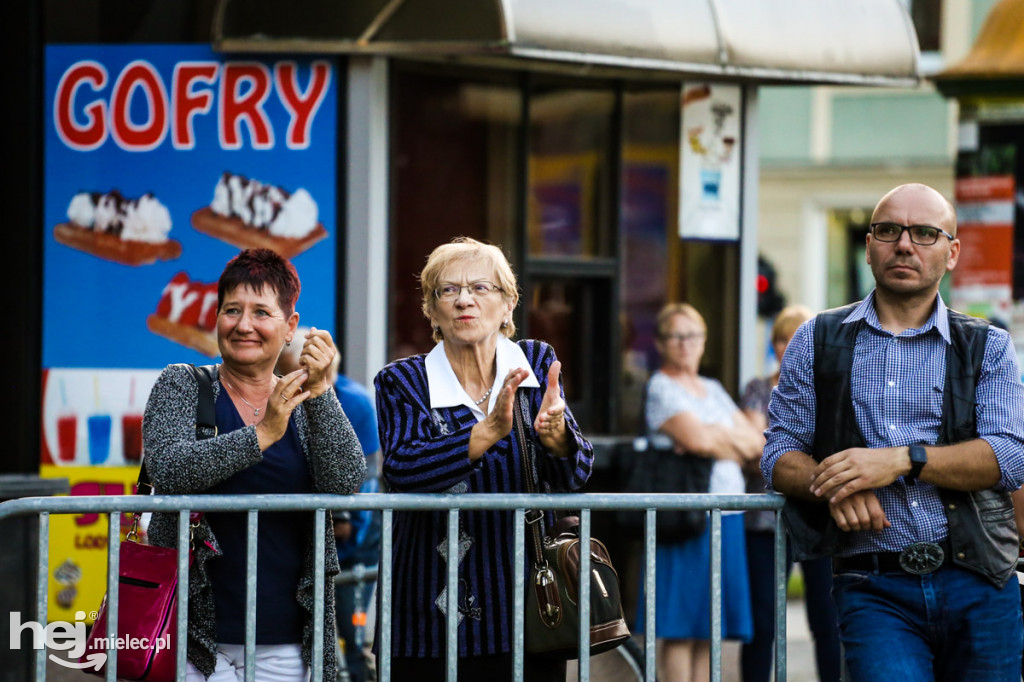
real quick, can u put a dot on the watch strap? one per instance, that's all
(918, 458)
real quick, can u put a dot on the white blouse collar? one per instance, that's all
(446, 391)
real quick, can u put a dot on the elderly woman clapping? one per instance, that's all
(273, 435)
(446, 426)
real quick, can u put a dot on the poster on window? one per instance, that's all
(710, 162)
(162, 163)
(982, 283)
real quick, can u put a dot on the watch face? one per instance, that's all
(918, 455)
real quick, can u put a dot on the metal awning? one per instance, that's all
(863, 42)
(995, 64)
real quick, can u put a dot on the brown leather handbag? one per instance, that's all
(552, 619)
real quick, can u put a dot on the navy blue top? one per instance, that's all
(281, 541)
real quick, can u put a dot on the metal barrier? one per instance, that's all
(387, 503)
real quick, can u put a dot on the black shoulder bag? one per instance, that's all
(644, 467)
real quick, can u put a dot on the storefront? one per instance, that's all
(989, 86)
(609, 148)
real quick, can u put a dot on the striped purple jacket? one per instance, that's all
(425, 451)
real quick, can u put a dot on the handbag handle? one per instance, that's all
(534, 517)
(206, 427)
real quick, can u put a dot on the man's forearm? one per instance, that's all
(969, 466)
(793, 473)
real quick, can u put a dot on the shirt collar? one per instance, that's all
(939, 319)
(444, 386)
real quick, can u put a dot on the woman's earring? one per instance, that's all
(504, 324)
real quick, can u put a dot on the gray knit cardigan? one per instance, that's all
(178, 463)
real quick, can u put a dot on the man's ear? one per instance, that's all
(954, 255)
(867, 248)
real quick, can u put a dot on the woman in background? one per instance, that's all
(698, 417)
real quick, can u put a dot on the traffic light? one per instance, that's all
(769, 300)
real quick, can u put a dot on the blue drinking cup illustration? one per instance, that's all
(99, 438)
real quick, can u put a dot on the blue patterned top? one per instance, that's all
(425, 450)
(897, 385)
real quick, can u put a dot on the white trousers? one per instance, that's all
(274, 663)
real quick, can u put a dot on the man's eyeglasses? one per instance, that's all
(922, 235)
(449, 291)
(683, 338)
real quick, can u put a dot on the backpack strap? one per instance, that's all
(206, 417)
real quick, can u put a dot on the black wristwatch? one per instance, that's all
(918, 458)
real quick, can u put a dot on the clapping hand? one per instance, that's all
(550, 422)
(500, 418)
(316, 357)
(283, 400)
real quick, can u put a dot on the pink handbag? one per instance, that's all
(146, 616)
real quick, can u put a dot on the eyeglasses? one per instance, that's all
(922, 235)
(683, 338)
(449, 291)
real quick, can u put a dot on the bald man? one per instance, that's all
(896, 433)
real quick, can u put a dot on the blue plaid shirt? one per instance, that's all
(897, 385)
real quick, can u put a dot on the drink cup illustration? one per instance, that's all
(98, 429)
(67, 428)
(99, 438)
(67, 437)
(131, 429)
(131, 432)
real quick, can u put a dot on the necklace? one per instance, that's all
(255, 410)
(477, 402)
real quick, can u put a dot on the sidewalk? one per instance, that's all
(799, 649)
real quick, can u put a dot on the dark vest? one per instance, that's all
(982, 532)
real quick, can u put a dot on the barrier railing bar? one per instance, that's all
(452, 604)
(381, 501)
(113, 590)
(319, 548)
(780, 599)
(716, 595)
(184, 546)
(252, 534)
(519, 595)
(42, 573)
(584, 596)
(43, 507)
(384, 636)
(650, 607)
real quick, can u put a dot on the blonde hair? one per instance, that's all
(468, 250)
(787, 321)
(670, 310)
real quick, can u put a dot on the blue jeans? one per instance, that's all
(945, 626)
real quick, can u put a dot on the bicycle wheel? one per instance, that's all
(624, 663)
